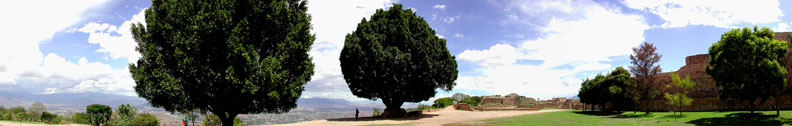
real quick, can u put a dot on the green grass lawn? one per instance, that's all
(576, 117)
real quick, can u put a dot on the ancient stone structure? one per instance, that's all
(559, 100)
(512, 99)
(516, 102)
(705, 93)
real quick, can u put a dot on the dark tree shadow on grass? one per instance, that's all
(672, 116)
(598, 113)
(641, 115)
(742, 119)
(410, 116)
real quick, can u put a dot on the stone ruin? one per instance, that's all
(514, 101)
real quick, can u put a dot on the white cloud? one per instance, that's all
(331, 21)
(57, 75)
(722, 13)
(28, 22)
(459, 36)
(570, 45)
(439, 7)
(497, 55)
(117, 46)
(450, 19)
(782, 27)
(25, 68)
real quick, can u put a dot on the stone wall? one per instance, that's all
(463, 106)
(502, 100)
(491, 100)
(705, 93)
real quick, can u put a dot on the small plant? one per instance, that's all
(680, 98)
(376, 112)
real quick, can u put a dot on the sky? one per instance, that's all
(534, 48)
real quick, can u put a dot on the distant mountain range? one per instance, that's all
(78, 101)
(67, 99)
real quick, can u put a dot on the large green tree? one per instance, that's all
(99, 114)
(612, 88)
(747, 65)
(589, 91)
(227, 57)
(395, 56)
(618, 85)
(644, 66)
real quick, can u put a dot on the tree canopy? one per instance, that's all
(611, 88)
(36, 109)
(443, 102)
(460, 96)
(473, 101)
(227, 57)
(395, 56)
(747, 65)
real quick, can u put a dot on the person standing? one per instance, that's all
(356, 113)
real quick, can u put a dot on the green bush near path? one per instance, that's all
(576, 117)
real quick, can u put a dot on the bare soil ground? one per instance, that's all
(438, 118)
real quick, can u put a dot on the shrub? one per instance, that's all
(16, 113)
(213, 120)
(376, 112)
(81, 118)
(145, 119)
(472, 101)
(99, 114)
(443, 102)
(125, 111)
(22, 116)
(47, 117)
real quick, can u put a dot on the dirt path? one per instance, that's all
(446, 116)
(8, 123)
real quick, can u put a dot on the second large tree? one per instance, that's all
(395, 56)
(747, 65)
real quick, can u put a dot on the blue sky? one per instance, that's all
(534, 48)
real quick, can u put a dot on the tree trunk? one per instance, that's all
(226, 119)
(778, 108)
(393, 109)
(752, 107)
(646, 107)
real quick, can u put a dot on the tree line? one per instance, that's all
(95, 114)
(748, 66)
